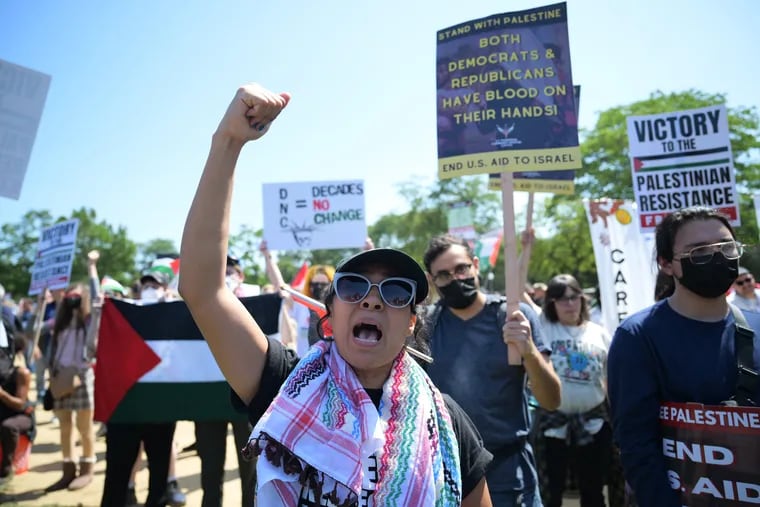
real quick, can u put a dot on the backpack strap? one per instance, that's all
(747, 380)
(433, 312)
(432, 316)
(501, 314)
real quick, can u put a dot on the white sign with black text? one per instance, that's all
(314, 215)
(54, 257)
(682, 159)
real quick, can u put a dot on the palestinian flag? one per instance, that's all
(169, 265)
(108, 284)
(691, 160)
(300, 277)
(487, 249)
(153, 364)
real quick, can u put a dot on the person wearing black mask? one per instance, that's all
(685, 349)
(468, 335)
(318, 278)
(73, 348)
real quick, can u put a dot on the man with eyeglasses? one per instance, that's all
(468, 333)
(689, 351)
(745, 296)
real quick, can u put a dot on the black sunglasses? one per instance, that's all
(395, 292)
(746, 280)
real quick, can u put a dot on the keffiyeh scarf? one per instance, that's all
(323, 442)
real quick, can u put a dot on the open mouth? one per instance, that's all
(367, 333)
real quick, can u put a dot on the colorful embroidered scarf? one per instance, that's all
(323, 442)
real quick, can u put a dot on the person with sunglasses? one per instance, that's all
(684, 349)
(579, 430)
(745, 296)
(356, 421)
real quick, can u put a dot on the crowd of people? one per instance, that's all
(392, 385)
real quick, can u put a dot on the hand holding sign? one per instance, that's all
(517, 332)
(251, 112)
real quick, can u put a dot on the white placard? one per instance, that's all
(55, 255)
(22, 97)
(461, 222)
(624, 259)
(314, 215)
(682, 159)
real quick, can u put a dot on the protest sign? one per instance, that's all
(624, 262)
(314, 215)
(553, 182)
(505, 95)
(22, 97)
(461, 220)
(54, 257)
(682, 159)
(712, 453)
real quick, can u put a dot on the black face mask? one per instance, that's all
(318, 290)
(459, 294)
(709, 280)
(72, 302)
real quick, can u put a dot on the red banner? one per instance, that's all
(712, 453)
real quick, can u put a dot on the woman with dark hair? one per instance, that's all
(580, 427)
(356, 421)
(685, 348)
(73, 347)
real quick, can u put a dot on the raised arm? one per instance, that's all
(272, 268)
(286, 326)
(237, 342)
(96, 302)
(92, 274)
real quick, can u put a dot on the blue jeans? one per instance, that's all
(517, 498)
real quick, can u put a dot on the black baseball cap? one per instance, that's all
(400, 264)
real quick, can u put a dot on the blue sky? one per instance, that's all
(138, 88)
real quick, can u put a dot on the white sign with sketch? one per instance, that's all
(314, 215)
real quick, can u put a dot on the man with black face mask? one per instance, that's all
(468, 333)
(690, 349)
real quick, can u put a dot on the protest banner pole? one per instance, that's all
(38, 318)
(527, 245)
(511, 268)
(529, 217)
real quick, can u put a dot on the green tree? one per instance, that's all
(18, 245)
(245, 246)
(428, 213)
(117, 251)
(153, 249)
(569, 250)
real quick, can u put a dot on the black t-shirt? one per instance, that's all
(473, 457)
